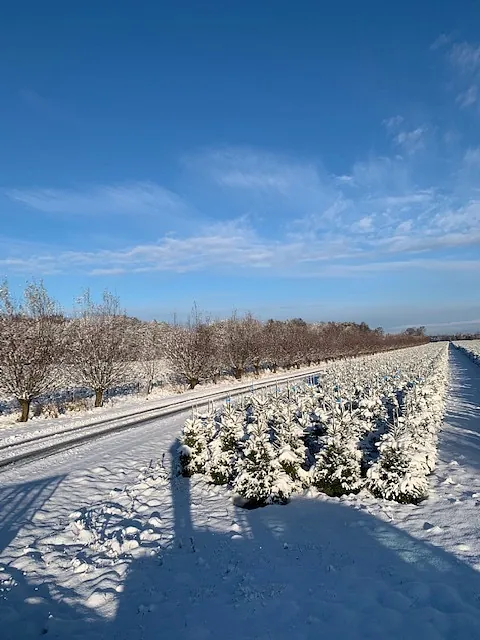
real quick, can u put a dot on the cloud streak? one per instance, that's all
(464, 60)
(408, 140)
(376, 217)
(228, 250)
(135, 198)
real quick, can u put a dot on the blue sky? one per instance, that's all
(298, 158)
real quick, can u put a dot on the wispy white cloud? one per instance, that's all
(406, 265)
(376, 209)
(411, 243)
(209, 251)
(411, 141)
(474, 321)
(235, 245)
(420, 197)
(383, 175)
(365, 224)
(230, 244)
(375, 215)
(394, 123)
(464, 60)
(465, 56)
(137, 198)
(443, 40)
(408, 140)
(468, 97)
(472, 157)
(246, 168)
(465, 220)
(266, 178)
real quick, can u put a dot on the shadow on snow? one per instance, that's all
(313, 568)
(25, 606)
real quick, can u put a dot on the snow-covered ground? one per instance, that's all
(95, 543)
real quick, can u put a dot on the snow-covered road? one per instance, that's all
(319, 567)
(21, 442)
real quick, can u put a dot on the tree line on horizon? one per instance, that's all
(100, 347)
(451, 337)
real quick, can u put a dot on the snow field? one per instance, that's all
(369, 423)
(118, 547)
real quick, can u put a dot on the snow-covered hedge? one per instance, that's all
(371, 423)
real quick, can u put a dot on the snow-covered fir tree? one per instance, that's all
(197, 433)
(225, 448)
(288, 440)
(338, 463)
(397, 474)
(260, 477)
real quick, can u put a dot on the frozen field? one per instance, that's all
(98, 542)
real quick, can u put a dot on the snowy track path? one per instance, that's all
(21, 446)
(457, 479)
(450, 518)
(12, 433)
(355, 568)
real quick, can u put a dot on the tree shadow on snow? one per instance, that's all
(27, 607)
(20, 502)
(311, 569)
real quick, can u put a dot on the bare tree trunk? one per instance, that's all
(237, 372)
(98, 397)
(257, 369)
(25, 407)
(192, 382)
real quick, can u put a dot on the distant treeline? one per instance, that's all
(100, 347)
(456, 336)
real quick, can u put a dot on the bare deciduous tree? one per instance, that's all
(151, 347)
(259, 346)
(239, 342)
(31, 344)
(100, 344)
(191, 350)
(277, 341)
